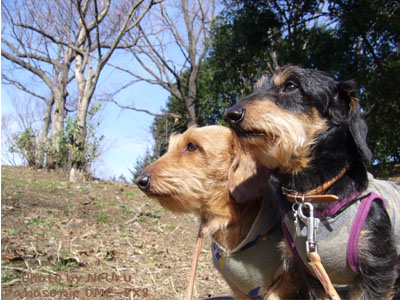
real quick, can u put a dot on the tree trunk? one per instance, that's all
(191, 97)
(191, 112)
(60, 93)
(85, 91)
(43, 137)
(77, 172)
(57, 128)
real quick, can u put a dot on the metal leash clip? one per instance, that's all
(312, 225)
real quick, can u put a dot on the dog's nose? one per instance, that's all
(143, 181)
(235, 114)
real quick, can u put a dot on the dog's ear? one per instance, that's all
(357, 126)
(247, 180)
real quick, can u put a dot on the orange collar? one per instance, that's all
(315, 195)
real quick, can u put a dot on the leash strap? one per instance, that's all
(319, 270)
(314, 259)
(196, 254)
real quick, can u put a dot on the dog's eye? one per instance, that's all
(190, 147)
(289, 87)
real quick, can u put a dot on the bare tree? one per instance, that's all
(174, 39)
(34, 38)
(60, 41)
(98, 30)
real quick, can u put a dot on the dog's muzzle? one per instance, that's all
(234, 115)
(143, 181)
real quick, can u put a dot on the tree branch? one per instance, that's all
(160, 58)
(53, 39)
(122, 31)
(27, 55)
(27, 66)
(166, 114)
(22, 87)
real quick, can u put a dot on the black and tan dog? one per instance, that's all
(307, 127)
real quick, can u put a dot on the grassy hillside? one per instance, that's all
(96, 240)
(78, 241)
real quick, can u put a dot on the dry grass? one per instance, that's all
(55, 232)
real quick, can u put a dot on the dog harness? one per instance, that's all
(340, 229)
(252, 264)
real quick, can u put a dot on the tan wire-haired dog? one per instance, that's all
(205, 172)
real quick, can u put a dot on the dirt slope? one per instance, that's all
(95, 240)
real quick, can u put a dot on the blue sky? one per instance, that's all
(127, 133)
(131, 130)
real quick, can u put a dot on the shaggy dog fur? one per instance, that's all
(307, 127)
(206, 173)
